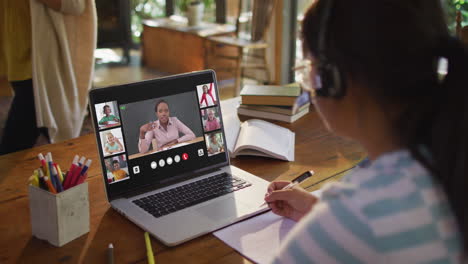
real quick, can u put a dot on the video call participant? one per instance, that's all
(409, 204)
(107, 116)
(113, 144)
(165, 130)
(118, 173)
(212, 122)
(207, 98)
(214, 146)
(109, 167)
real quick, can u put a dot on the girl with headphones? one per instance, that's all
(371, 72)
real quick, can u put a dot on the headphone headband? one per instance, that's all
(331, 84)
(323, 28)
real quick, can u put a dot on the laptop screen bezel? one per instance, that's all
(117, 92)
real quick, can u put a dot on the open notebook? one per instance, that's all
(258, 138)
(259, 237)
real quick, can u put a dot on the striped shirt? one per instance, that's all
(390, 212)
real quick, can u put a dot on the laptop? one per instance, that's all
(164, 157)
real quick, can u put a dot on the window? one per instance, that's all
(451, 8)
(302, 7)
(144, 9)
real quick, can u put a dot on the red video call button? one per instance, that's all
(185, 156)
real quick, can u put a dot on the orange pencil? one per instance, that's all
(50, 185)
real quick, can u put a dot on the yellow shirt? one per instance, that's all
(15, 40)
(119, 174)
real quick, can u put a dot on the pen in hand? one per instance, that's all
(296, 181)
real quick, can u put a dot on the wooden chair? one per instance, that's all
(462, 32)
(251, 48)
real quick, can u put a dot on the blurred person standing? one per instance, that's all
(47, 56)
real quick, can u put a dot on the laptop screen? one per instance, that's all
(158, 132)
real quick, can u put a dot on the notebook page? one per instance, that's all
(231, 121)
(262, 135)
(258, 238)
(231, 129)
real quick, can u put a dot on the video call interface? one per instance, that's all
(161, 136)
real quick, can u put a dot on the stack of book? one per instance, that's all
(272, 102)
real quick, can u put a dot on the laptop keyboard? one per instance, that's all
(176, 199)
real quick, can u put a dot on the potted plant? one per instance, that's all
(194, 10)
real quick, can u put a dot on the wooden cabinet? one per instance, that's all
(172, 47)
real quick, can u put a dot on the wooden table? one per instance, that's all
(316, 149)
(170, 46)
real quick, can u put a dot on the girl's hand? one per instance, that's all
(292, 203)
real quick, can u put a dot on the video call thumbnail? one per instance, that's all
(160, 124)
(107, 115)
(210, 119)
(112, 141)
(206, 95)
(214, 143)
(116, 169)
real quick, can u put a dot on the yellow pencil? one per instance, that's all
(149, 249)
(59, 173)
(34, 180)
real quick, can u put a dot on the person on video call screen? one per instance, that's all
(113, 144)
(108, 118)
(117, 172)
(211, 122)
(165, 131)
(207, 98)
(214, 145)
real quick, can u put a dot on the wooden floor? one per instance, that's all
(112, 74)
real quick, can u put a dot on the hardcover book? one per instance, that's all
(273, 116)
(270, 94)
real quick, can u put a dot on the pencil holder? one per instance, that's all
(59, 218)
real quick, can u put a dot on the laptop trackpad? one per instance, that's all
(223, 209)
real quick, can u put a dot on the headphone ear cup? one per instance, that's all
(332, 82)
